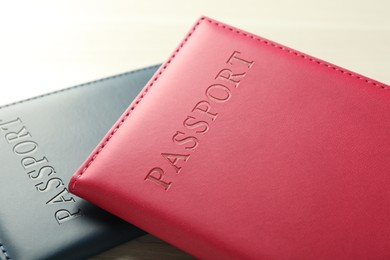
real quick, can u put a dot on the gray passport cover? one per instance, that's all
(43, 140)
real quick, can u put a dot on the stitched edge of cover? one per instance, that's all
(166, 64)
(78, 86)
(300, 54)
(2, 248)
(4, 252)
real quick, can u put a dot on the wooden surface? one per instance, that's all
(49, 45)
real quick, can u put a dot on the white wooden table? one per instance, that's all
(49, 45)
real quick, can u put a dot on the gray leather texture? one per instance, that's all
(43, 140)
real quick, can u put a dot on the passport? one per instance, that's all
(242, 148)
(43, 140)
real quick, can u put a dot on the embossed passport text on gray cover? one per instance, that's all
(43, 140)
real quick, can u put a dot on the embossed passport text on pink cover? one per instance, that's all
(241, 148)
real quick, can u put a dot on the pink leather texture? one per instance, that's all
(241, 148)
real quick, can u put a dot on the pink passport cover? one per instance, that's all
(241, 148)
